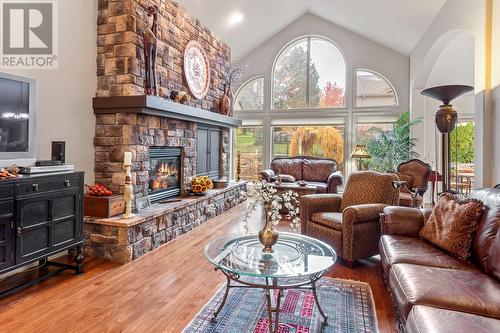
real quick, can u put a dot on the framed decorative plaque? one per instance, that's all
(196, 69)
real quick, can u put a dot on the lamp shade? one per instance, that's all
(360, 151)
(448, 93)
(446, 116)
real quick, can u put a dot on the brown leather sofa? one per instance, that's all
(321, 172)
(434, 291)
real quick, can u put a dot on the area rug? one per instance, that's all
(348, 304)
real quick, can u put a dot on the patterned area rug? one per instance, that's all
(348, 304)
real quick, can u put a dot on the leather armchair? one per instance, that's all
(350, 222)
(320, 172)
(416, 174)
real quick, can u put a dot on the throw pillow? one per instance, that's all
(287, 178)
(452, 224)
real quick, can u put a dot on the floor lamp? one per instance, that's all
(446, 119)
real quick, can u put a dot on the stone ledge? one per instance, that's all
(123, 240)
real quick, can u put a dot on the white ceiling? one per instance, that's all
(397, 24)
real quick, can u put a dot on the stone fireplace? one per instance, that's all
(165, 179)
(170, 142)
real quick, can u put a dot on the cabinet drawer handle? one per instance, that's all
(67, 183)
(35, 187)
(19, 231)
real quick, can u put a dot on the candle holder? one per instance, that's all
(128, 193)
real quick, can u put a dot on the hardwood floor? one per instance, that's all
(160, 292)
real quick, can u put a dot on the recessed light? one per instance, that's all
(235, 18)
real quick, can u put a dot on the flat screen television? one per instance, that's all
(17, 120)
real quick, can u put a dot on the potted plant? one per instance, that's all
(392, 147)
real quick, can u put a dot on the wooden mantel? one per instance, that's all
(157, 106)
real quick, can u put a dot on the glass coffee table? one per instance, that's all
(297, 262)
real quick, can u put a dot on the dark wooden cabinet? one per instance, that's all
(39, 217)
(208, 151)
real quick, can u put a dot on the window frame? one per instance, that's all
(345, 106)
(373, 107)
(248, 81)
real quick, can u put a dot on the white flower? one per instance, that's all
(264, 194)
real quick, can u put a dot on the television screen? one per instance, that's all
(14, 116)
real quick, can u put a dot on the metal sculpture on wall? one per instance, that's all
(150, 46)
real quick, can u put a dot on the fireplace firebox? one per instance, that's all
(164, 173)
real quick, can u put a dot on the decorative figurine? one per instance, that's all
(150, 45)
(128, 193)
(173, 94)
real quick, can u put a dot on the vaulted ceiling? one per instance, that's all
(245, 24)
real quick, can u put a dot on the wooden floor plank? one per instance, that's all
(159, 292)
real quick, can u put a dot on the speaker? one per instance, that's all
(58, 151)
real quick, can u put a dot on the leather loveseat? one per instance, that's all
(433, 291)
(321, 172)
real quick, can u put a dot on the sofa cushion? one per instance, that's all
(288, 166)
(406, 199)
(489, 225)
(320, 187)
(425, 319)
(452, 224)
(396, 249)
(330, 220)
(466, 291)
(318, 170)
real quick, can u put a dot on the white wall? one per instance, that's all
(359, 52)
(457, 19)
(64, 106)
(495, 83)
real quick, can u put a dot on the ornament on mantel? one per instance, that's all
(150, 46)
(231, 73)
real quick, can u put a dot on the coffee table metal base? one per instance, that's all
(273, 306)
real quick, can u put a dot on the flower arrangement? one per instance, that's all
(201, 184)
(267, 196)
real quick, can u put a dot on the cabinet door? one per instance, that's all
(214, 154)
(6, 234)
(46, 223)
(202, 151)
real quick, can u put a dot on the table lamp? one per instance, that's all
(446, 118)
(360, 152)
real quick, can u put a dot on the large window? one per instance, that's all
(373, 90)
(462, 156)
(312, 107)
(249, 146)
(251, 95)
(367, 131)
(318, 141)
(309, 73)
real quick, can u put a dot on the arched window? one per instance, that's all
(373, 90)
(309, 73)
(251, 95)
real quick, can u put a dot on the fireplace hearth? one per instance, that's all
(165, 178)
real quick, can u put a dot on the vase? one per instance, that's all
(268, 236)
(225, 102)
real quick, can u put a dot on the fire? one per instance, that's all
(165, 177)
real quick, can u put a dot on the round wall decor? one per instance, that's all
(196, 69)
